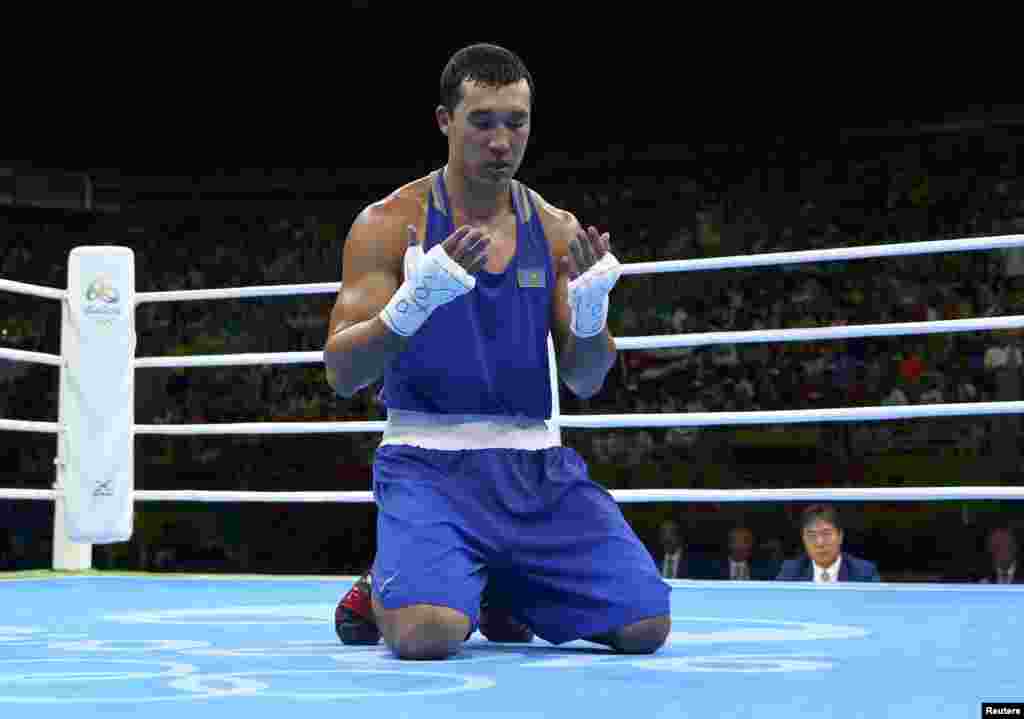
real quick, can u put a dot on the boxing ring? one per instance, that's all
(209, 644)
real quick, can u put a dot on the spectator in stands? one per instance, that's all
(931, 389)
(1003, 352)
(740, 563)
(825, 562)
(895, 396)
(911, 366)
(1001, 545)
(673, 560)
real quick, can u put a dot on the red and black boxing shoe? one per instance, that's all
(353, 618)
(355, 625)
(498, 624)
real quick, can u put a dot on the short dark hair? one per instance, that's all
(824, 512)
(487, 64)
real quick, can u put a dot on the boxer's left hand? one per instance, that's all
(593, 271)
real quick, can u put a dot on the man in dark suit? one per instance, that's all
(673, 562)
(1002, 551)
(740, 563)
(822, 535)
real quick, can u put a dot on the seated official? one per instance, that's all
(673, 562)
(1002, 567)
(825, 562)
(740, 562)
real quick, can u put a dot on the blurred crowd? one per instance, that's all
(725, 200)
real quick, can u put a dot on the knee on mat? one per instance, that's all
(429, 633)
(643, 637)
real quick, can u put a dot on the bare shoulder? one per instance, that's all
(383, 222)
(559, 224)
(371, 268)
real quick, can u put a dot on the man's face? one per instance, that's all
(741, 545)
(822, 541)
(488, 130)
(1002, 548)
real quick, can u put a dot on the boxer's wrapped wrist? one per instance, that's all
(588, 297)
(590, 320)
(431, 280)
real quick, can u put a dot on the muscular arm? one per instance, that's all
(583, 364)
(359, 345)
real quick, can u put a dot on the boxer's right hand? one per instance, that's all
(435, 278)
(467, 246)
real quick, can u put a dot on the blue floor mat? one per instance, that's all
(204, 647)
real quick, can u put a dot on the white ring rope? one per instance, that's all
(694, 339)
(234, 293)
(21, 425)
(807, 334)
(789, 416)
(21, 288)
(230, 360)
(224, 428)
(639, 268)
(30, 493)
(818, 494)
(36, 357)
(629, 496)
(635, 420)
(589, 421)
(837, 254)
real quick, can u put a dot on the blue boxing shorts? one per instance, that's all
(554, 545)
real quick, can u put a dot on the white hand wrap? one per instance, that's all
(431, 280)
(588, 296)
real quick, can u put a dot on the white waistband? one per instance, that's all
(462, 431)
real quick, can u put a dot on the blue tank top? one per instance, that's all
(485, 352)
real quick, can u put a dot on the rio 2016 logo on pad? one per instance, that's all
(103, 290)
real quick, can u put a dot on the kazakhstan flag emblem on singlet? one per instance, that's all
(531, 277)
